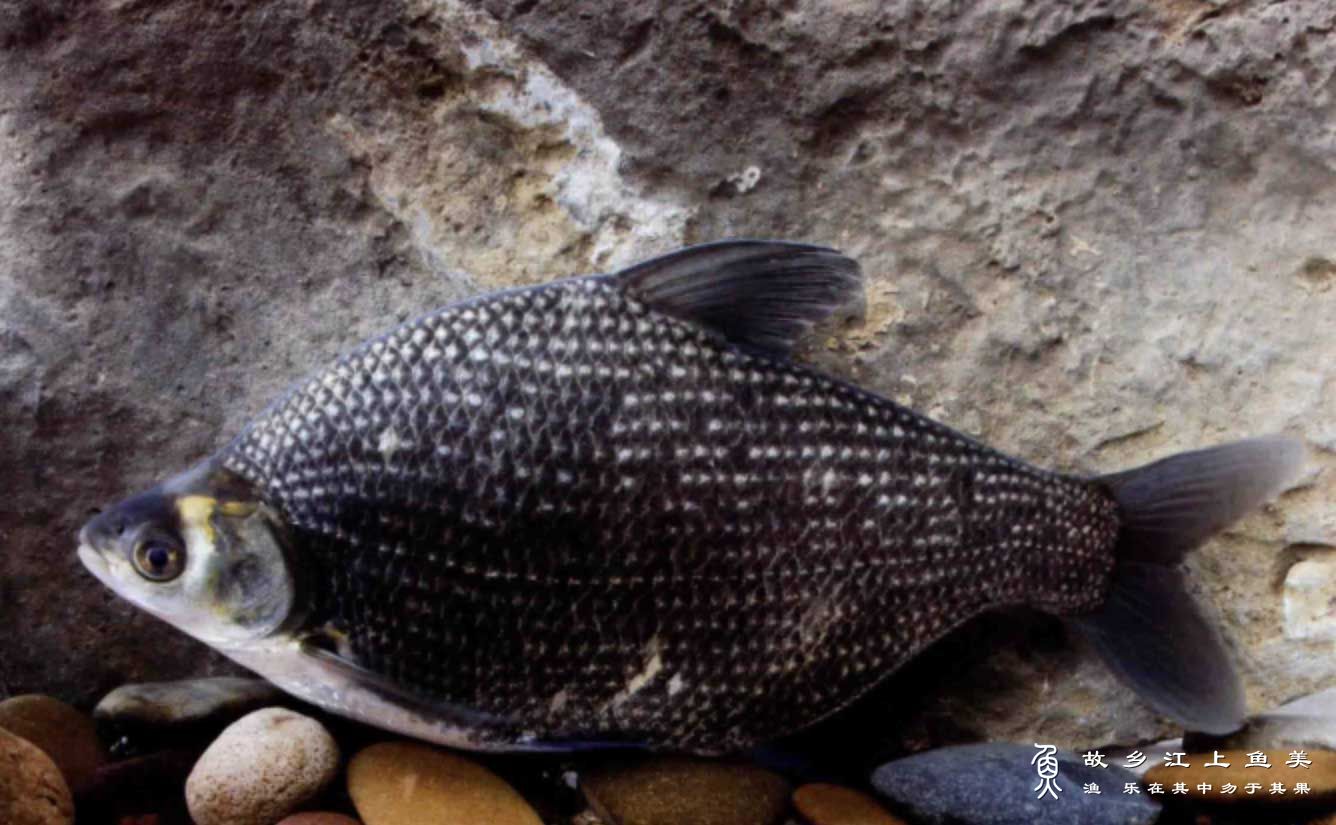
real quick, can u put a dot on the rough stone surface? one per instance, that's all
(318, 818)
(996, 784)
(32, 791)
(1096, 233)
(677, 791)
(261, 768)
(405, 783)
(65, 734)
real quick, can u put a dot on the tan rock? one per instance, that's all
(1319, 776)
(679, 791)
(405, 783)
(62, 732)
(32, 790)
(261, 768)
(319, 818)
(824, 804)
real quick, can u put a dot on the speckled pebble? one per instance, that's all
(261, 768)
(319, 818)
(32, 791)
(405, 783)
(678, 791)
(63, 733)
(825, 804)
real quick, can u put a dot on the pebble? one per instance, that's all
(319, 818)
(261, 768)
(405, 783)
(995, 784)
(63, 733)
(1320, 777)
(32, 790)
(825, 804)
(681, 791)
(189, 704)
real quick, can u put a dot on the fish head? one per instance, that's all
(200, 551)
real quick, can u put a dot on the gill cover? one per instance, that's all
(249, 576)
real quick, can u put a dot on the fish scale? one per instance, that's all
(563, 508)
(611, 510)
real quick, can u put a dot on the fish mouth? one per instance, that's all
(96, 564)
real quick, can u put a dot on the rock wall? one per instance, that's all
(1095, 233)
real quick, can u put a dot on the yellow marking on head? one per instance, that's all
(239, 509)
(197, 512)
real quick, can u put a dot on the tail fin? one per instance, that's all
(1149, 631)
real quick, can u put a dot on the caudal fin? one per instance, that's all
(1149, 631)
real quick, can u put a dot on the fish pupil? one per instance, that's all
(158, 557)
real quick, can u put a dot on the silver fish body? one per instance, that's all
(603, 511)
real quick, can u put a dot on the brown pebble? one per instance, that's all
(32, 790)
(319, 818)
(825, 804)
(680, 791)
(406, 783)
(1320, 777)
(63, 733)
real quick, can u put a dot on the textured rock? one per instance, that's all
(62, 732)
(1095, 233)
(318, 818)
(1310, 586)
(674, 791)
(996, 784)
(833, 805)
(1205, 782)
(261, 768)
(32, 791)
(403, 783)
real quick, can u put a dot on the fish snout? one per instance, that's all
(103, 530)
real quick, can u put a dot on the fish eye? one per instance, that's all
(158, 561)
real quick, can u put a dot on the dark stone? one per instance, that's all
(995, 784)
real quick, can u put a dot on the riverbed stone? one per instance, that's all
(407, 783)
(32, 790)
(682, 791)
(998, 784)
(64, 733)
(824, 804)
(261, 768)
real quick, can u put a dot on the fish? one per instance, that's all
(615, 510)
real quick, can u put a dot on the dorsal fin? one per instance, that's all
(758, 294)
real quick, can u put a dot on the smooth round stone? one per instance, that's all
(186, 703)
(680, 791)
(404, 783)
(825, 804)
(32, 790)
(1320, 777)
(995, 784)
(63, 733)
(319, 818)
(261, 768)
